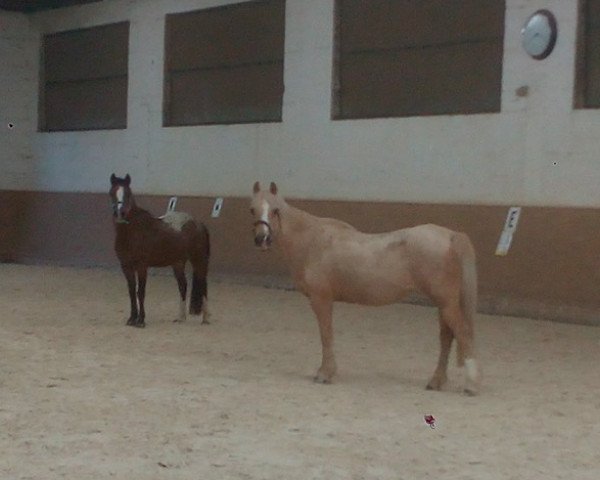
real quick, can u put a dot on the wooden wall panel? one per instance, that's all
(551, 271)
(225, 64)
(241, 33)
(421, 82)
(407, 23)
(93, 104)
(90, 53)
(402, 57)
(84, 79)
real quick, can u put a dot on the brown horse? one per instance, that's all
(144, 241)
(332, 261)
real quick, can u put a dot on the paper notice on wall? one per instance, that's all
(216, 211)
(172, 204)
(170, 207)
(510, 226)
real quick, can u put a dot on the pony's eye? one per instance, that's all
(252, 211)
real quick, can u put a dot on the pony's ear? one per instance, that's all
(127, 180)
(113, 179)
(256, 187)
(273, 188)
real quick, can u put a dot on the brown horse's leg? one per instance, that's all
(179, 271)
(142, 274)
(130, 276)
(439, 376)
(323, 308)
(463, 332)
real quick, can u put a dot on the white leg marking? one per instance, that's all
(205, 311)
(472, 370)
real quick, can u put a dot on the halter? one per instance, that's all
(266, 224)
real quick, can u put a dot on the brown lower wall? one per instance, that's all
(552, 270)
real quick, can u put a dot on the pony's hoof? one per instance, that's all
(470, 392)
(132, 322)
(436, 383)
(141, 324)
(322, 380)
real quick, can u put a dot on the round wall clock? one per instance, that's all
(539, 34)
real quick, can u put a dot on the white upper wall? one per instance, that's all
(18, 100)
(537, 151)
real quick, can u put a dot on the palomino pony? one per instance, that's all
(144, 241)
(331, 261)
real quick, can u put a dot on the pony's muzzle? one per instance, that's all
(118, 213)
(263, 241)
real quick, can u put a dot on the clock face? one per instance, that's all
(539, 34)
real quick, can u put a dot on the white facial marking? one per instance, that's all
(120, 194)
(205, 311)
(265, 212)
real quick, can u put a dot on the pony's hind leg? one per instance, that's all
(323, 309)
(454, 317)
(198, 298)
(179, 271)
(440, 377)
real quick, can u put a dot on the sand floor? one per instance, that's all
(82, 396)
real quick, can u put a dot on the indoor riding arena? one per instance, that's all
(133, 136)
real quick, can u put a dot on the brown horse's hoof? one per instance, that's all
(470, 393)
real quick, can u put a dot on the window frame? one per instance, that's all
(337, 107)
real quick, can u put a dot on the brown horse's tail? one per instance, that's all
(468, 289)
(199, 255)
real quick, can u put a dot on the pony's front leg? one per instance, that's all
(323, 308)
(130, 277)
(142, 274)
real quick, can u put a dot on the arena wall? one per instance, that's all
(462, 171)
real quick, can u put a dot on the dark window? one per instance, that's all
(225, 64)
(399, 58)
(587, 82)
(84, 79)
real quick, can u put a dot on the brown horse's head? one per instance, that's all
(264, 208)
(121, 197)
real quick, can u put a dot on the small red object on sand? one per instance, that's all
(430, 420)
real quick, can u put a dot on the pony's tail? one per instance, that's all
(199, 255)
(468, 289)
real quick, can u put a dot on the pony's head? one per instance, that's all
(264, 208)
(120, 197)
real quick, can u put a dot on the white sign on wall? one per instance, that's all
(510, 226)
